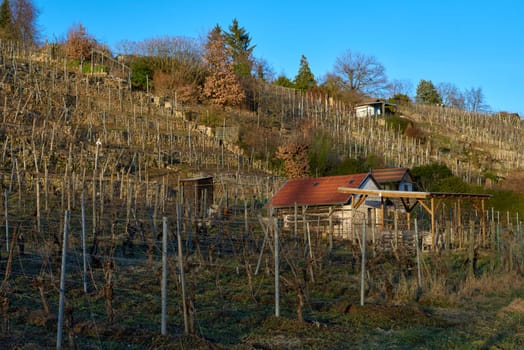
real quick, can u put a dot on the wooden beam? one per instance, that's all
(433, 235)
(412, 194)
(360, 200)
(385, 193)
(483, 221)
(425, 206)
(330, 218)
(409, 207)
(382, 209)
(439, 203)
(459, 223)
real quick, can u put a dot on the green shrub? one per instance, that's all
(429, 177)
(504, 200)
(97, 68)
(349, 166)
(397, 123)
(322, 159)
(141, 73)
(400, 99)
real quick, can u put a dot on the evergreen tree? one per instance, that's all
(400, 99)
(7, 27)
(142, 70)
(284, 81)
(427, 93)
(304, 79)
(221, 85)
(239, 48)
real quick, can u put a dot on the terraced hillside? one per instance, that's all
(113, 157)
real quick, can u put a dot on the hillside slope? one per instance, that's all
(480, 143)
(53, 116)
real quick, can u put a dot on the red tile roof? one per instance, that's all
(316, 191)
(390, 175)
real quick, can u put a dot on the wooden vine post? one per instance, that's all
(277, 263)
(62, 283)
(181, 268)
(163, 327)
(419, 273)
(363, 263)
(6, 212)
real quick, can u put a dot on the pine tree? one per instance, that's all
(284, 81)
(7, 28)
(304, 79)
(427, 93)
(221, 85)
(238, 43)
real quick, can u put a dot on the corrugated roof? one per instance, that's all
(374, 102)
(196, 179)
(316, 191)
(389, 175)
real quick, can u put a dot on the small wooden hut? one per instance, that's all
(197, 194)
(317, 201)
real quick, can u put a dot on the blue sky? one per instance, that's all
(467, 43)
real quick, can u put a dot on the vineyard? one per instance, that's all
(94, 219)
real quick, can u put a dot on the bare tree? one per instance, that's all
(361, 73)
(168, 50)
(178, 64)
(451, 95)
(263, 69)
(335, 87)
(474, 100)
(400, 87)
(24, 19)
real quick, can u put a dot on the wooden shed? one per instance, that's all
(197, 194)
(374, 108)
(317, 202)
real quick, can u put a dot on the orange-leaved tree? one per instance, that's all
(221, 86)
(79, 43)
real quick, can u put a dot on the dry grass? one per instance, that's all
(405, 291)
(435, 292)
(515, 307)
(490, 283)
(514, 182)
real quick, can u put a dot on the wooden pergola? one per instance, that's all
(429, 201)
